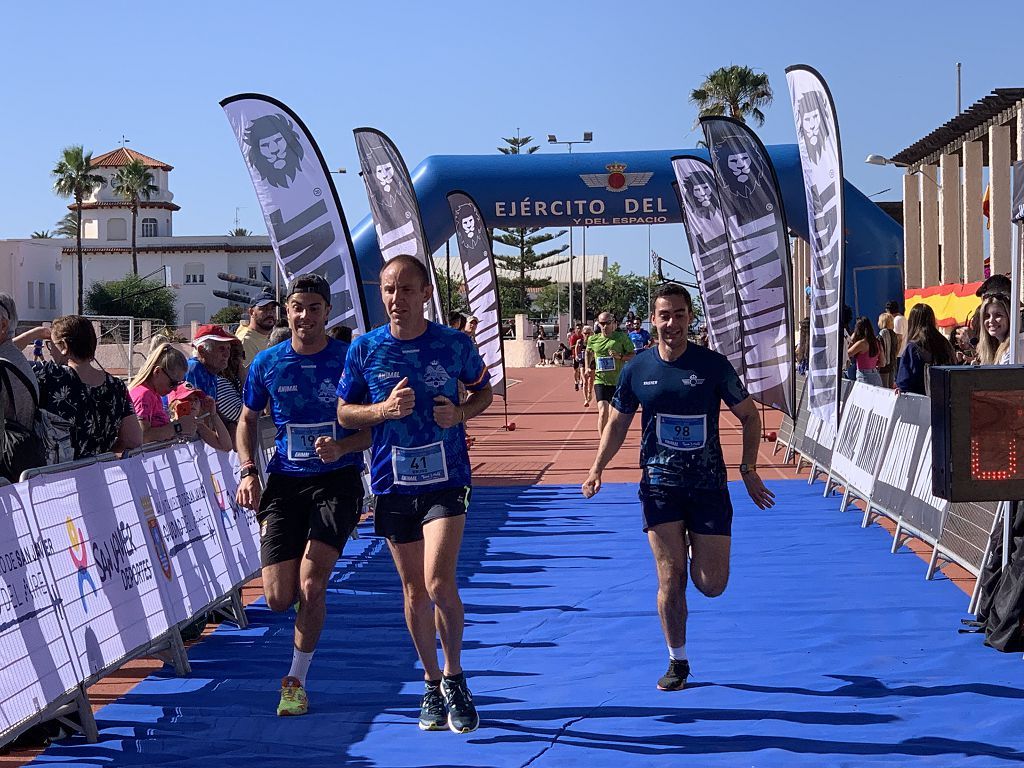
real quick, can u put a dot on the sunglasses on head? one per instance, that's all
(996, 295)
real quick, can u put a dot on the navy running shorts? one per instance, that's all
(400, 517)
(707, 512)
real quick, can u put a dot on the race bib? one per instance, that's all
(605, 363)
(682, 433)
(302, 438)
(419, 466)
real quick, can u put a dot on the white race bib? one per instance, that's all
(605, 363)
(682, 433)
(301, 439)
(419, 466)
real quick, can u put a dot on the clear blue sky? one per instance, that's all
(454, 77)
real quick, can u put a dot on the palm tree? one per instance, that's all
(67, 226)
(736, 91)
(131, 183)
(239, 232)
(72, 177)
(41, 234)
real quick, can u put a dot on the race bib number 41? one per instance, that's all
(682, 433)
(419, 466)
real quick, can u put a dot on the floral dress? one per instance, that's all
(96, 412)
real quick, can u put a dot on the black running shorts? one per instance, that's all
(604, 393)
(295, 509)
(702, 511)
(400, 517)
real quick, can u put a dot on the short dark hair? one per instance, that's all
(457, 320)
(892, 307)
(673, 289)
(78, 333)
(410, 261)
(340, 332)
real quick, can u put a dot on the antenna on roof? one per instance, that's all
(124, 140)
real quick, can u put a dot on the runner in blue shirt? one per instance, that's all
(641, 338)
(402, 381)
(683, 492)
(314, 492)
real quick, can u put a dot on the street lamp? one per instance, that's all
(882, 160)
(588, 136)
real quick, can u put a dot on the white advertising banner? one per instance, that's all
(174, 498)
(101, 566)
(863, 433)
(237, 526)
(38, 665)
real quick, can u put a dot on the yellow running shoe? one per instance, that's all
(293, 698)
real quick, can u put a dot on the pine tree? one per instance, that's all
(524, 241)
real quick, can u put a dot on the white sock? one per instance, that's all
(677, 654)
(300, 665)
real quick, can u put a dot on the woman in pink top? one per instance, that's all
(163, 370)
(865, 350)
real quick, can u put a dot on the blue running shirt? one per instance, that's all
(200, 378)
(300, 389)
(640, 339)
(679, 444)
(413, 455)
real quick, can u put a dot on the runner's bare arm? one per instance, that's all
(249, 489)
(611, 440)
(398, 405)
(750, 419)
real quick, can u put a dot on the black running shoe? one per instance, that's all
(433, 716)
(462, 715)
(675, 678)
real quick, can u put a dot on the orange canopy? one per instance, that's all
(952, 303)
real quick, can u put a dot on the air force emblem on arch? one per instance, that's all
(616, 180)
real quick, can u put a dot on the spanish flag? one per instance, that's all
(985, 204)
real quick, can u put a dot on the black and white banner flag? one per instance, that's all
(476, 257)
(304, 217)
(393, 204)
(817, 132)
(705, 230)
(759, 242)
(1017, 206)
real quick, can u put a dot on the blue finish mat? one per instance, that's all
(825, 650)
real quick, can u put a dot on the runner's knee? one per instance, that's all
(710, 586)
(279, 599)
(442, 590)
(313, 590)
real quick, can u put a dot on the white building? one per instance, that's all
(42, 274)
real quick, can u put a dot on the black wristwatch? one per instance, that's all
(746, 469)
(248, 472)
(177, 427)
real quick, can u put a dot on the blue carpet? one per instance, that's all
(824, 651)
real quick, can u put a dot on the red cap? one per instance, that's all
(212, 333)
(183, 391)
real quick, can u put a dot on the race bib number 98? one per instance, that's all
(419, 466)
(682, 433)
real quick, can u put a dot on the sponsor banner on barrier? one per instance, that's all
(481, 281)
(903, 487)
(237, 526)
(176, 506)
(37, 663)
(821, 161)
(101, 566)
(863, 430)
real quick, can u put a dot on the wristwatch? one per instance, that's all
(248, 472)
(746, 469)
(177, 427)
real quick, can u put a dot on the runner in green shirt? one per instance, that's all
(607, 352)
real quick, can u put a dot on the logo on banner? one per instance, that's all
(274, 149)
(702, 194)
(220, 496)
(384, 174)
(746, 175)
(616, 180)
(159, 545)
(811, 125)
(470, 229)
(80, 558)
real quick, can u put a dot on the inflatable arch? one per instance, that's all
(613, 188)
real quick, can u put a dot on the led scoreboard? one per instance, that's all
(978, 432)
